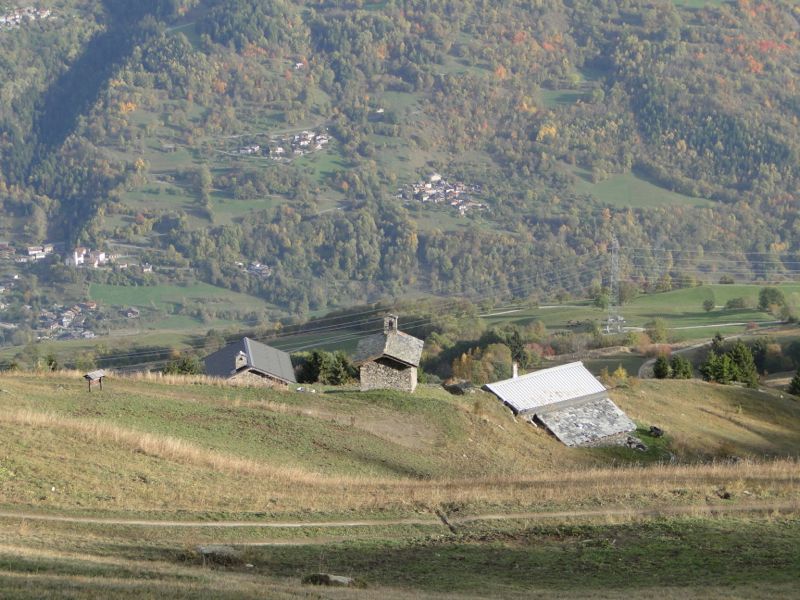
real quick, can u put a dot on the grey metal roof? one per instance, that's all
(258, 357)
(586, 423)
(547, 387)
(396, 345)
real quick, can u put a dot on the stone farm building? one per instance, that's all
(389, 360)
(248, 362)
(568, 400)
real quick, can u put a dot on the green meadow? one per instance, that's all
(629, 190)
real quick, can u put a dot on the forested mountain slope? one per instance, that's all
(176, 129)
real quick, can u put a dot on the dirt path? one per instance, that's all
(219, 524)
(646, 370)
(451, 520)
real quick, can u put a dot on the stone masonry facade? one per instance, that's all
(248, 378)
(383, 374)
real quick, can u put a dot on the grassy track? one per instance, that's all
(670, 558)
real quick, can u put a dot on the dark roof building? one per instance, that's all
(250, 362)
(568, 400)
(389, 360)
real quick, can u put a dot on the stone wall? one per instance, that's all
(249, 378)
(386, 375)
(587, 423)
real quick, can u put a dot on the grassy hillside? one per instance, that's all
(191, 147)
(682, 310)
(403, 492)
(201, 445)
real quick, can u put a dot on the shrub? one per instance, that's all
(186, 364)
(655, 350)
(734, 303)
(657, 330)
(770, 297)
(619, 378)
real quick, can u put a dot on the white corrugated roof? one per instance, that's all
(548, 386)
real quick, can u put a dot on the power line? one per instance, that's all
(407, 326)
(340, 327)
(441, 306)
(706, 252)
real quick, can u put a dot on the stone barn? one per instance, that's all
(567, 400)
(248, 362)
(389, 360)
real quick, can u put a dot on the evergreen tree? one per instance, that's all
(708, 368)
(330, 368)
(681, 367)
(661, 368)
(744, 367)
(794, 385)
(724, 371)
(316, 366)
(718, 367)
(718, 343)
(338, 370)
(759, 350)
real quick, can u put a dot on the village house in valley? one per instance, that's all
(248, 362)
(389, 360)
(17, 17)
(437, 190)
(87, 257)
(569, 401)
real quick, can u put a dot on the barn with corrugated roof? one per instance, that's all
(568, 400)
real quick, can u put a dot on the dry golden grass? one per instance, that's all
(144, 376)
(161, 446)
(493, 461)
(250, 481)
(709, 420)
(142, 489)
